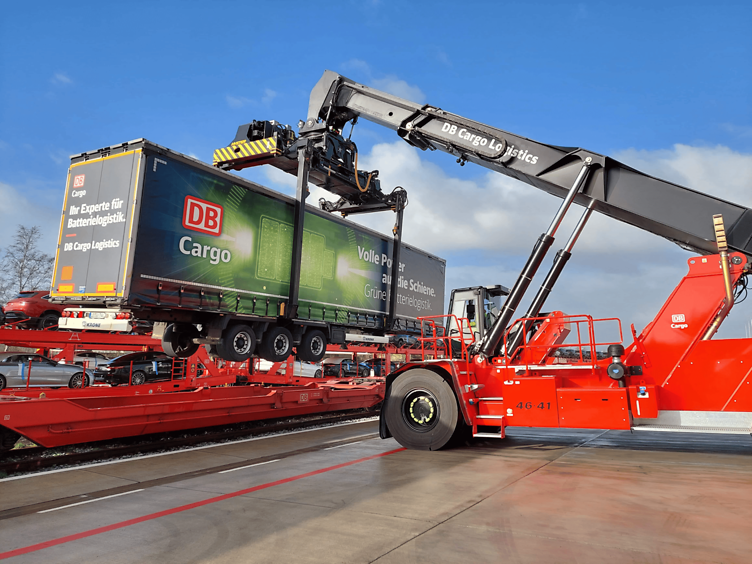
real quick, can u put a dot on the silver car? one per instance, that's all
(18, 369)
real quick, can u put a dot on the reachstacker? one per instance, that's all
(545, 369)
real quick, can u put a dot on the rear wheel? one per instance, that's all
(48, 320)
(312, 346)
(277, 344)
(421, 410)
(237, 344)
(177, 340)
(138, 378)
(2, 382)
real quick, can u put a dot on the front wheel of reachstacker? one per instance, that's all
(421, 410)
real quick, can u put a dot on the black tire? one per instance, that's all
(237, 344)
(177, 340)
(364, 373)
(277, 344)
(312, 347)
(2, 382)
(400, 343)
(317, 374)
(76, 381)
(138, 378)
(48, 320)
(421, 410)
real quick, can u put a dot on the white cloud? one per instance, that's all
(388, 83)
(268, 96)
(237, 102)
(393, 85)
(743, 131)
(60, 78)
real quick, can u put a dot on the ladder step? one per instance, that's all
(489, 416)
(488, 435)
(490, 399)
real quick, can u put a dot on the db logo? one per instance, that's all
(678, 321)
(78, 181)
(202, 216)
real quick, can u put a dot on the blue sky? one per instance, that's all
(664, 86)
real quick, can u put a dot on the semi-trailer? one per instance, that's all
(206, 255)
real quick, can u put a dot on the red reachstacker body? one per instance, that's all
(676, 380)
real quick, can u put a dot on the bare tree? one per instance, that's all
(24, 266)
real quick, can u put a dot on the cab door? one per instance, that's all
(465, 304)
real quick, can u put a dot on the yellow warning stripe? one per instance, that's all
(243, 149)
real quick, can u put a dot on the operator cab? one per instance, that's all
(480, 305)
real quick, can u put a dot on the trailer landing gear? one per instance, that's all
(177, 340)
(421, 410)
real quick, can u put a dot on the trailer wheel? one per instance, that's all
(237, 344)
(277, 344)
(313, 346)
(177, 340)
(138, 378)
(421, 410)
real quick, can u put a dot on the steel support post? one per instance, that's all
(304, 165)
(396, 252)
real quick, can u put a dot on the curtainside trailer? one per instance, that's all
(207, 255)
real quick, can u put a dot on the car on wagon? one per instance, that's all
(136, 368)
(37, 371)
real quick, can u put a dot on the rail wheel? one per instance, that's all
(421, 410)
(237, 344)
(8, 439)
(138, 378)
(177, 340)
(276, 345)
(312, 346)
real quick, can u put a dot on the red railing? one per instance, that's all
(549, 336)
(437, 337)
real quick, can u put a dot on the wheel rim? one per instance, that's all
(77, 381)
(138, 379)
(317, 345)
(241, 344)
(281, 344)
(420, 410)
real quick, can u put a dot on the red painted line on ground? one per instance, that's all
(129, 522)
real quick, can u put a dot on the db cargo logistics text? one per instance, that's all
(210, 229)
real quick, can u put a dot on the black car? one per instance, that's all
(346, 368)
(145, 367)
(379, 365)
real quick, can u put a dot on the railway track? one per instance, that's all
(37, 458)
